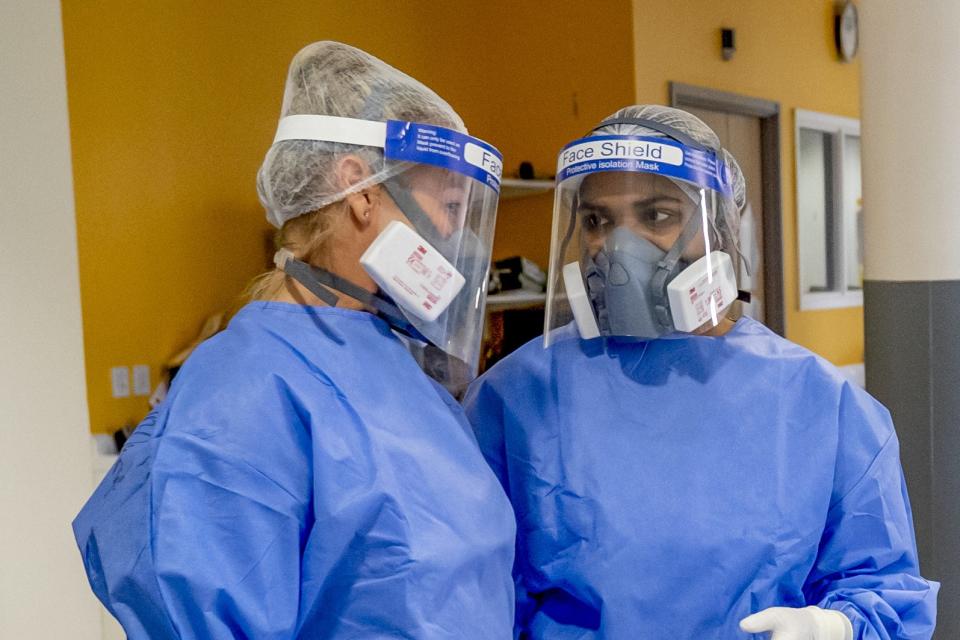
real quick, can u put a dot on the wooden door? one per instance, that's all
(740, 135)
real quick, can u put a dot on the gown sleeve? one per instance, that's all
(197, 533)
(867, 565)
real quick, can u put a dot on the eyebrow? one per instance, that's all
(642, 203)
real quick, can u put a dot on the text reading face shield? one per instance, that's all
(636, 249)
(432, 262)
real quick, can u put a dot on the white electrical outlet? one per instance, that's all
(120, 381)
(141, 380)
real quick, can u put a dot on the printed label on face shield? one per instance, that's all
(444, 148)
(411, 271)
(647, 155)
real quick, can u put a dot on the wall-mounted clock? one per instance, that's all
(846, 30)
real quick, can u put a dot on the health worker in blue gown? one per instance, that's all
(304, 478)
(675, 473)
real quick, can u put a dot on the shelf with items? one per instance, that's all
(513, 318)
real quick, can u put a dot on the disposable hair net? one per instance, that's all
(334, 79)
(728, 222)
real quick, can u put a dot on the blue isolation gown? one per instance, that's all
(668, 489)
(303, 479)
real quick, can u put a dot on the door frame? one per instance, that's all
(768, 112)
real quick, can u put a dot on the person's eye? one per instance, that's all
(455, 211)
(593, 220)
(659, 218)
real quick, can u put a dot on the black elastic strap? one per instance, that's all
(570, 227)
(658, 284)
(300, 271)
(414, 212)
(316, 279)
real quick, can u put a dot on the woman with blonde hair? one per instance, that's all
(305, 477)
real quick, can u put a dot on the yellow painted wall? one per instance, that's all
(785, 53)
(174, 102)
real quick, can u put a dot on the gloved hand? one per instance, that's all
(809, 623)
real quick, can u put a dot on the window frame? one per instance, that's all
(837, 127)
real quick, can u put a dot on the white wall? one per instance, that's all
(44, 450)
(911, 159)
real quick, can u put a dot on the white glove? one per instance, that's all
(809, 623)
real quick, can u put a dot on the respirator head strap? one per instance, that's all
(660, 280)
(319, 282)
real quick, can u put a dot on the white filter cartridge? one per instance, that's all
(411, 271)
(579, 302)
(702, 291)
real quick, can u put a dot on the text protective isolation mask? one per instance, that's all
(431, 268)
(639, 248)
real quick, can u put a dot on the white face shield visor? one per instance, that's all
(641, 246)
(431, 268)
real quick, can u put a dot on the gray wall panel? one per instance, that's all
(945, 452)
(897, 359)
(912, 356)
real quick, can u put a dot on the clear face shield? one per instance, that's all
(641, 245)
(431, 262)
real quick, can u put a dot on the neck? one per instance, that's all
(294, 292)
(722, 329)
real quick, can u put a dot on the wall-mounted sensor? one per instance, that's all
(727, 43)
(526, 170)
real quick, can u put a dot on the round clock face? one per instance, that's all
(848, 32)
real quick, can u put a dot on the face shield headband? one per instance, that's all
(402, 142)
